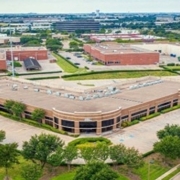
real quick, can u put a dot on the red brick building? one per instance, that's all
(117, 54)
(19, 53)
(3, 60)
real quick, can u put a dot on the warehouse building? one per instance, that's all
(99, 111)
(22, 53)
(119, 54)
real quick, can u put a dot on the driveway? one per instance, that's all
(20, 132)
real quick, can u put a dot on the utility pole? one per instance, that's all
(12, 58)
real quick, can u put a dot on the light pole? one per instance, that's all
(12, 58)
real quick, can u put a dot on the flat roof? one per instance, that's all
(115, 48)
(125, 98)
(2, 55)
(20, 48)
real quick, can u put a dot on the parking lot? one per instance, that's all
(143, 135)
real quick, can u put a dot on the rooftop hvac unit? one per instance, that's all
(57, 93)
(14, 87)
(36, 90)
(88, 97)
(81, 98)
(66, 95)
(49, 91)
(25, 87)
(71, 97)
(95, 96)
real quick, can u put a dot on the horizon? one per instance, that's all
(88, 6)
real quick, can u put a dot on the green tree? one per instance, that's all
(17, 109)
(41, 147)
(31, 172)
(53, 44)
(169, 130)
(38, 115)
(87, 153)
(2, 135)
(117, 153)
(56, 159)
(101, 152)
(133, 159)
(70, 153)
(8, 156)
(73, 44)
(8, 105)
(168, 146)
(95, 171)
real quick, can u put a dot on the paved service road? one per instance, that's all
(143, 135)
(20, 132)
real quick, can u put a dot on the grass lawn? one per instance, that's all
(152, 170)
(173, 67)
(70, 176)
(65, 65)
(15, 171)
(120, 75)
(172, 174)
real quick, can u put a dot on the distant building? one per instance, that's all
(71, 26)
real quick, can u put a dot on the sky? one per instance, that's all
(88, 6)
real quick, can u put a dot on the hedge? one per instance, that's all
(170, 109)
(41, 78)
(148, 153)
(101, 72)
(34, 73)
(89, 139)
(150, 116)
(129, 123)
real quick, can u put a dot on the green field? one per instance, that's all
(120, 75)
(66, 66)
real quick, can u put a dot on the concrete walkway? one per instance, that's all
(169, 172)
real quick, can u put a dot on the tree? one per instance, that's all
(41, 147)
(169, 130)
(133, 159)
(70, 153)
(2, 135)
(73, 44)
(87, 153)
(95, 171)
(17, 109)
(169, 147)
(8, 156)
(31, 172)
(53, 44)
(101, 152)
(117, 153)
(38, 115)
(8, 105)
(55, 159)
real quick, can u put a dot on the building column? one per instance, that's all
(171, 103)
(115, 123)
(99, 128)
(76, 127)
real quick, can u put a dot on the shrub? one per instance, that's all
(41, 78)
(80, 141)
(150, 116)
(170, 109)
(171, 64)
(86, 67)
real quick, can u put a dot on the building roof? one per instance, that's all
(47, 98)
(115, 48)
(31, 63)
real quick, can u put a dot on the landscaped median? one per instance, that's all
(118, 74)
(67, 65)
